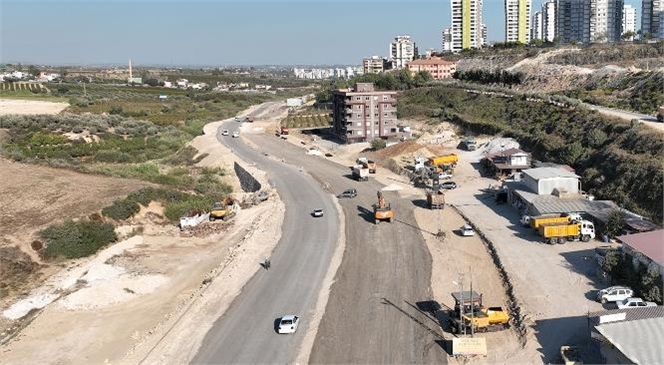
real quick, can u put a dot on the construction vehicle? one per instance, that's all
(450, 159)
(360, 173)
(371, 165)
(570, 231)
(536, 222)
(660, 114)
(435, 199)
(471, 316)
(223, 210)
(284, 131)
(383, 210)
(570, 355)
(469, 144)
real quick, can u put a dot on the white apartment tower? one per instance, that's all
(549, 21)
(517, 21)
(447, 40)
(652, 19)
(606, 20)
(629, 21)
(402, 51)
(536, 30)
(589, 20)
(467, 25)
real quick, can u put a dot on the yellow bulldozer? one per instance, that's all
(223, 210)
(382, 211)
(470, 316)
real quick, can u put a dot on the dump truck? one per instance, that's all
(443, 160)
(435, 199)
(371, 165)
(470, 315)
(469, 144)
(223, 210)
(359, 173)
(536, 222)
(382, 210)
(561, 233)
(660, 114)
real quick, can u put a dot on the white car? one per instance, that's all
(288, 324)
(466, 230)
(635, 303)
(224, 132)
(236, 134)
(317, 213)
(614, 294)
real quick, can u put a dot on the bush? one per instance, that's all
(378, 144)
(121, 209)
(76, 239)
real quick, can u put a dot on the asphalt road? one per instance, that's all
(382, 264)
(648, 120)
(246, 333)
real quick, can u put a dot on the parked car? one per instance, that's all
(634, 303)
(238, 120)
(224, 132)
(614, 294)
(448, 185)
(348, 193)
(236, 134)
(466, 230)
(317, 213)
(444, 176)
(288, 324)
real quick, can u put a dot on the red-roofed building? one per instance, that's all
(437, 67)
(646, 247)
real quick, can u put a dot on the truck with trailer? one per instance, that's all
(563, 232)
(450, 159)
(435, 199)
(360, 173)
(371, 165)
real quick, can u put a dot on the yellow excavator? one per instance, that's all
(223, 210)
(470, 315)
(382, 211)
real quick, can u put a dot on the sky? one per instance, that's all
(224, 32)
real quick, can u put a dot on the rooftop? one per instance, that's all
(431, 61)
(650, 244)
(539, 173)
(640, 340)
(507, 152)
(544, 204)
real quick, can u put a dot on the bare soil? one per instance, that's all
(11, 106)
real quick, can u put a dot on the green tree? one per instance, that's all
(34, 71)
(378, 144)
(615, 223)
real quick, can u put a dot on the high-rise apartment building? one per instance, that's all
(587, 21)
(363, 113)
(402, 51)
(467, 26)
(447, 40)
(517, 21)
(629, 22)
(375, 65)
(652, 19)
(549, 21)
(536, 29)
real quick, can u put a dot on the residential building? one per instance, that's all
(536, 29)
(437, 67)
(467, 25)
(629, 22)
(652, 19)
(549, 21)
(447, 40)
(517, 21)
(587, 21)
(606, 20)
(628, 336)
(508, 161)
(402, 51)
(375, 65)
(646, 248)
(364, 113)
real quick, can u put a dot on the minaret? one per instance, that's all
(130, 75)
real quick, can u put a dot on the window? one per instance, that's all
(359, 124)
(358, 115)
(384, 114)
(358, 98)
(367, 98)
(384, 97)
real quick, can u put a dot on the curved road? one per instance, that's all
(648, 120)
(246, 332)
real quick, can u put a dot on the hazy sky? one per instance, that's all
(223, 32)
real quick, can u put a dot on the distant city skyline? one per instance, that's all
(220, 33)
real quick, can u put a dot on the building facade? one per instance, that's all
(629, 22)
(517, 21)
(586, 21)
(364, 114)
(467, 25)
(447, 40)
(402, 51)
(549, 21)
(536, 29)
(437, 67)
(375, 65)
(652, 19)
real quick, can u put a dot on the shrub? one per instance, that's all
(76, 239)
(378, 144)
(121, 209)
